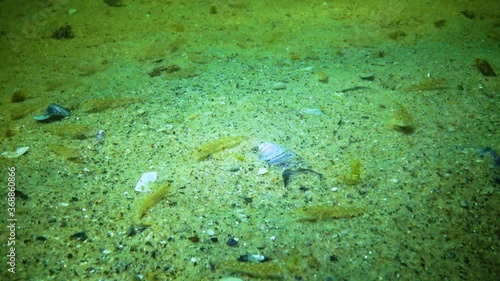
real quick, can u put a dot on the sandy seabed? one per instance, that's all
(388, 87)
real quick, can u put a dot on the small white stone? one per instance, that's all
(256, 258)
(262, 170)
(210, 232)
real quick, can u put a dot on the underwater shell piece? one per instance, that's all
(262, 171)
(276, 155)
(144, 181)
(312, 111)
(14, 154)
(53, 111)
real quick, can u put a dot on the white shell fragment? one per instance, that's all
(14, 154)
(256, 258)
(144, 182)
(262, 170)
(276, 155)
(312, 111)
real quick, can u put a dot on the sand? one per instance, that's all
(388, 86)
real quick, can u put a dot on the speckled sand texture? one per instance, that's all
(388, 85)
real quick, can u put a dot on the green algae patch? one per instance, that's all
(263, 270)
(354, 175)
(208, 149)
(329, 212)
(153, 199)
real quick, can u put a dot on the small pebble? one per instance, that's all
(234, 169)
(194, 239)
(231, 242)
(82, 236)
(248, 200)
(101, 134)
(252, 258)
(334, 258)
(210, 232)
(41, 238)
(131, 231)
(464, 204)
(262, 170)
(279, 86)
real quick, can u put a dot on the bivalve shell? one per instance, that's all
(276, 155)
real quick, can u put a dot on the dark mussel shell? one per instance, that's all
(53, 112)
